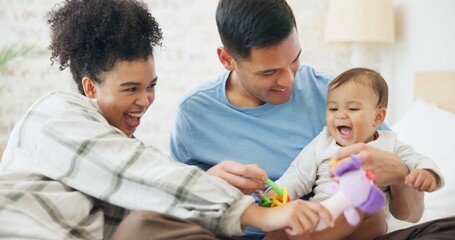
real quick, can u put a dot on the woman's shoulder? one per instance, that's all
(60, 101)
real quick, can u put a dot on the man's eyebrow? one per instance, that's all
(274, 69)
(127, 84)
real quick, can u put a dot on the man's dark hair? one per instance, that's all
(364, 76)
(244, 24)
(90, 36)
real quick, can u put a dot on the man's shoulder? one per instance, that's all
(209, 89)
(308, 73)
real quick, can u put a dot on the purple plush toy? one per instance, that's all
(355, 190)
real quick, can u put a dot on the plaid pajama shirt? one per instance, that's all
(67, 174)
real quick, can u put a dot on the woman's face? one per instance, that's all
(126, 92)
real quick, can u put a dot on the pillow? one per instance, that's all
(430, 130)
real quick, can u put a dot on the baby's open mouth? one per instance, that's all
(344, 130)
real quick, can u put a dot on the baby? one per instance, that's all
(356, 106)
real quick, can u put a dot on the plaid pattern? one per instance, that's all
(67, 174)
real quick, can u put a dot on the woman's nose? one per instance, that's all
(145, 99)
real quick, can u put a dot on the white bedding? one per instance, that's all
(431, 131)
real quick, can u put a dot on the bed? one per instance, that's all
(429, 126)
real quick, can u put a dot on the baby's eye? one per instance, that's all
(353, 109)
(333, 109)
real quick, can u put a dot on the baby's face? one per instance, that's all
(352, 114)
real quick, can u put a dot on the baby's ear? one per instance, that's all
(381, 112)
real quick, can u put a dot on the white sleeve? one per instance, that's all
(299, 178)
(415, 160)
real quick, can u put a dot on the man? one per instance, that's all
(267, 107)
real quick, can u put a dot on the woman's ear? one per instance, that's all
(225, 58)
(380, 116)
(89, 87)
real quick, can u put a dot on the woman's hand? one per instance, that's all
(296, 218)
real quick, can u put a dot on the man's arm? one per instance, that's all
(406, 202)
(390, 171)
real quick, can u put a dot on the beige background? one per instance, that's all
(188, 57)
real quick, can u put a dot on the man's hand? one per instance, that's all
(390, 171)
(248, 178)
(388, 168)
(422, 180)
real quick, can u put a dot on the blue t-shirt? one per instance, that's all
(208, 129)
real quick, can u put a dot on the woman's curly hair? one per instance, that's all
(90, 36)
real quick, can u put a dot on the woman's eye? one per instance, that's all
(152, 85)
(130, 89)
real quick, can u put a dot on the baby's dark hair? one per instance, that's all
(90, 36)
(365, 76)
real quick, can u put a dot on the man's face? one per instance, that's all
(267, 77)
(126, 93)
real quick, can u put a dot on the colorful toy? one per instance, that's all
(355, 189)
(280, 197)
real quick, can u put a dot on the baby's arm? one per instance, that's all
(423, 180)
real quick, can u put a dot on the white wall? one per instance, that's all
(188, 57)
(425, 42)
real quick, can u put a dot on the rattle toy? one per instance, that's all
(355, 189)
(280, 197)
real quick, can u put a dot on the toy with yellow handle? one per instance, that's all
(281, 195)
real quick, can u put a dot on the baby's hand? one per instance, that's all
(423, 180)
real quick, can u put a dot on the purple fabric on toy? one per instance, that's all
(375, 199)
(374, 202)
(354, 164)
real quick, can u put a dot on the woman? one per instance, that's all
(72, 167)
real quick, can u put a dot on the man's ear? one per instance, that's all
(380, 116)
(225, 58)
(89, 87)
